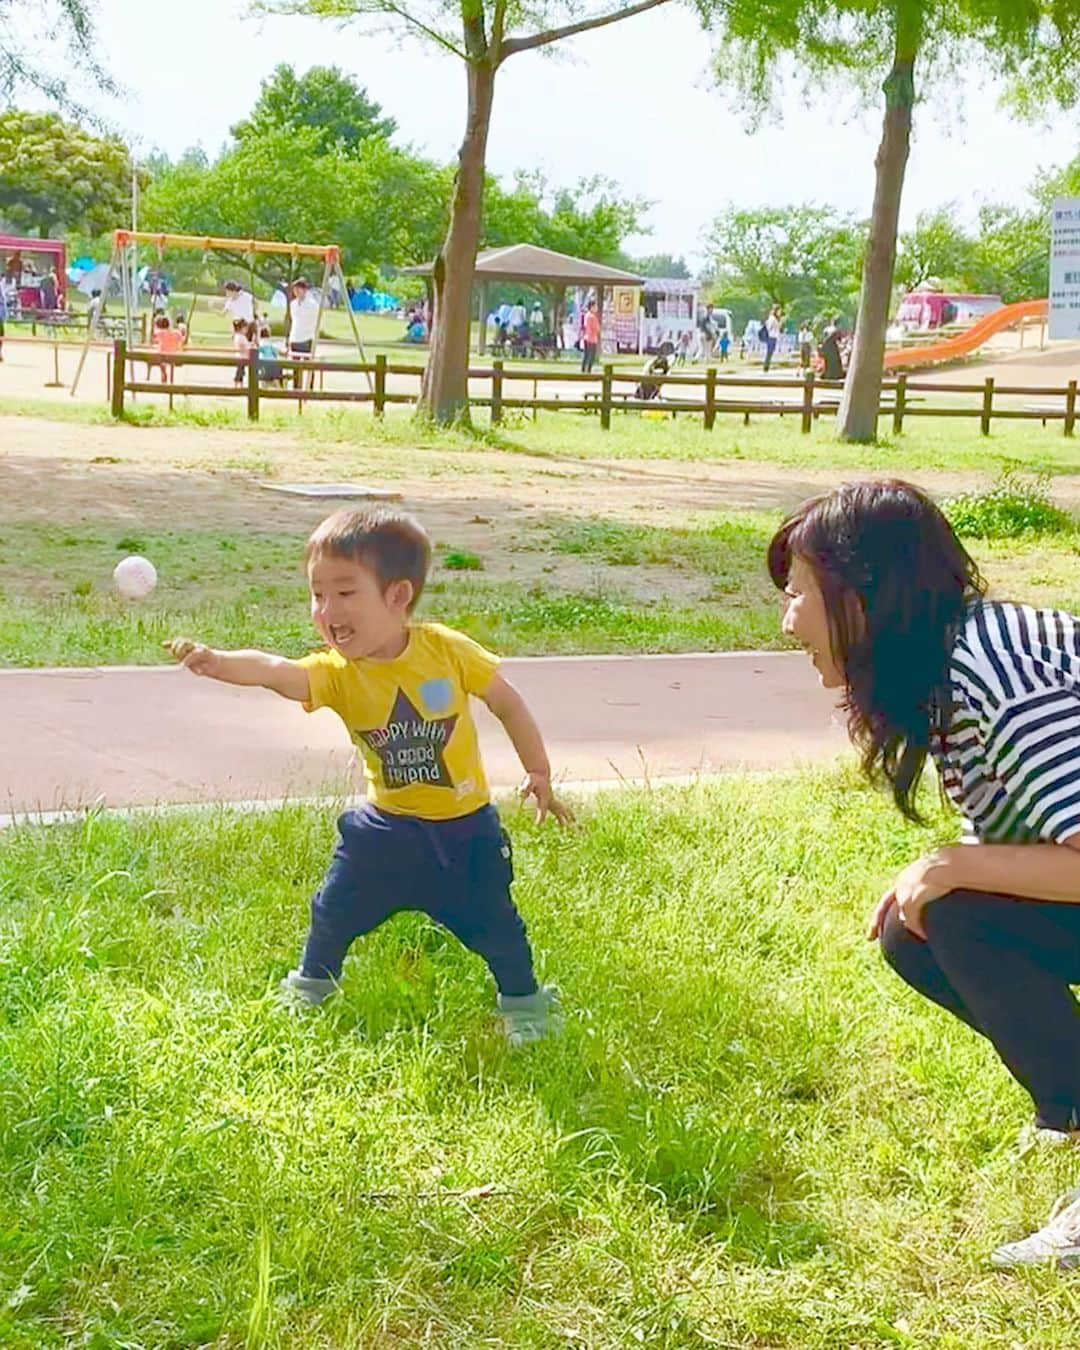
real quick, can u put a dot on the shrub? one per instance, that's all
(1012, 506)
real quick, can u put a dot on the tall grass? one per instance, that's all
(750, 1133)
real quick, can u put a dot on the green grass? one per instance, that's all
(751, 1134)
(699, 587)
(928, 445)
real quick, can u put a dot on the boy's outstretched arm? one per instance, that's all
(513, 712)
(263, 669)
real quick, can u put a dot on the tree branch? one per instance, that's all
(410, 20)
(524, 44)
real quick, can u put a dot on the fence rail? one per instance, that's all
(809, 398)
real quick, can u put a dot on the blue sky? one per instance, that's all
(635, 102)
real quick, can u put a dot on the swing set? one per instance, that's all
(123, 266)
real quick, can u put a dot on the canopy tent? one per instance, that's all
(542, 268)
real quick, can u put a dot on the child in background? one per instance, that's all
(428, 837)
(180, 324)
(242, 344)
(725, 343)
(271, 370)
(167, 341)
(682, 351)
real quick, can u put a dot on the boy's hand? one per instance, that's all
(195, 656)
(538, 785)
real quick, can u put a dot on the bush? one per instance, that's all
(1013, 506)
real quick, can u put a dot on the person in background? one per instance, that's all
(167, 340)
(303, 321)
(707, 332)
(750, 335)
(773, 325)
(806, 345)
(48, 291)
(830, 351)
(682, 346)
(239, 304)
(518, 319)
(590, 337)
(242, 344)
(271, 370)
(93, 313)
(537, 323)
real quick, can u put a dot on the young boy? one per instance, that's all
(428, 837)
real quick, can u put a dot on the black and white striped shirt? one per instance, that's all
(1010, 759)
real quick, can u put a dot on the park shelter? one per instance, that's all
(543, 270)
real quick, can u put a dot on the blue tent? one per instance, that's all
(365, 301)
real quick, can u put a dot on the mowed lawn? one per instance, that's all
(698, 587)
(750, 1133)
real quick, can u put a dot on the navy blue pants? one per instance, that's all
(456, 871)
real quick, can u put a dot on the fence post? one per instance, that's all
(710, 398)
(1070, 408)
(380, 384)
(253, 388)
(900, 405)
(119, 376)
(605, 399)
(987, 406)
(496, 391)
(808, 403)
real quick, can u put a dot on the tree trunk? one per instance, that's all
(444, 394)
(858, 416)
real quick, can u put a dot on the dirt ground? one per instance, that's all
(487, 501)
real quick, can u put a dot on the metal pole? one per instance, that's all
(89, 330)
(352, 325)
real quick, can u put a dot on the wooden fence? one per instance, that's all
(807, 398)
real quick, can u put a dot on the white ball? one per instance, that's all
(135, 577)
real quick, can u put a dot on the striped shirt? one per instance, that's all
(1010, 760)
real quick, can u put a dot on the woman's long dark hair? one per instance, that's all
(895, 579)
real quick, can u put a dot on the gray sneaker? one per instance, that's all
(304, 991)
(1057, 1242)
(530, 1017)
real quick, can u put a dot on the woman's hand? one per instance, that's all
(920, 882)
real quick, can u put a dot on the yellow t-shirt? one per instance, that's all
(411, 721)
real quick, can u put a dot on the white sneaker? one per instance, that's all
(1058, 1241)
(1034, 1136)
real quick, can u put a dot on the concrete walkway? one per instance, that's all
(126, 736)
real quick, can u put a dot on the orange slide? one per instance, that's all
(970, 339)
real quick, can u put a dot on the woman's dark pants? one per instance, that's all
(1004, 966)
(456, 871)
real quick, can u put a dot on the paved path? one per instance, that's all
(125, 736)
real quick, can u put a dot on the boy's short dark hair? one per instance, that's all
(393, 545)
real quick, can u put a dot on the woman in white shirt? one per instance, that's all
(892, 610)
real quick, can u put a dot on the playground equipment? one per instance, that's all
(970, 340)
(123, 266)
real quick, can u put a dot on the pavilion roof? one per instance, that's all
(528, 263)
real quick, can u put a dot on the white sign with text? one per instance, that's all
(1065, 269)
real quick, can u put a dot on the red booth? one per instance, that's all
(24, 266)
